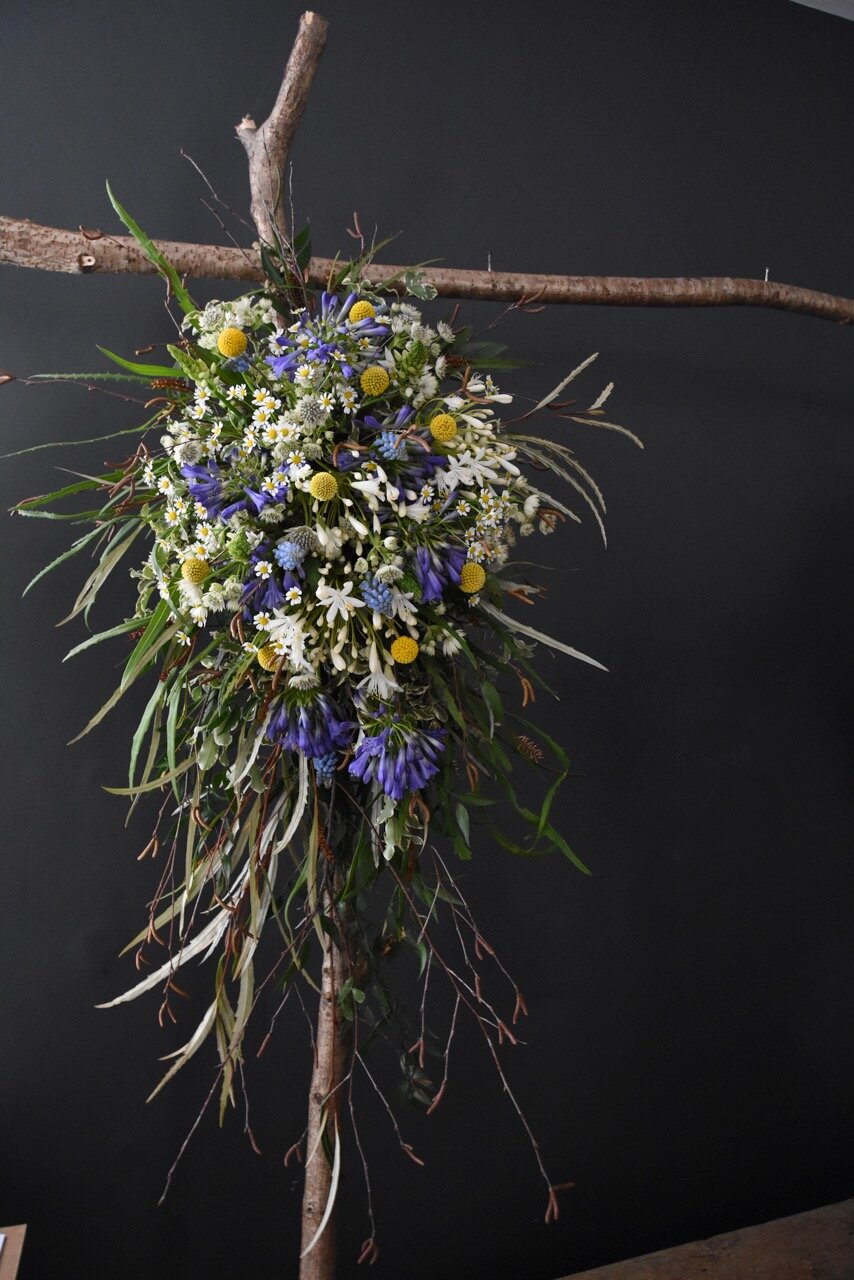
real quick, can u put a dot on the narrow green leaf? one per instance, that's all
(142, 729)
(154, 255)
(146, 371)
(121, 629)
(153, 628)
(155, 783)
(66, 555)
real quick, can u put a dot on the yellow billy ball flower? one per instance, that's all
(374, 380)
(231, 342)
(472, 577)
(268, 657)
(361, 311)
(404, 650)
(195, 569)
(443, 427)
(323, 486)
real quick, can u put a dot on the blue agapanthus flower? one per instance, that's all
(204, 484)
(434, 571)
(400, 759)
(310, 724)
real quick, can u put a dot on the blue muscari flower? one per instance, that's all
(310, 724)
(388, 444)
(324, 767)
(400, 759)
(289, 555)
(377, 595)
(239, 364)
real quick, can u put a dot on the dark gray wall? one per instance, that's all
(689, 1053)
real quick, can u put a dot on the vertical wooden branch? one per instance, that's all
(267, 150)
(331, 1058)
(267, 147)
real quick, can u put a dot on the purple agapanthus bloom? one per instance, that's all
(435, 571)
(205, 486)
(400, 759)
(402, 416)
(422, 467)
(284, 364)
(310, 724)
(254, 499)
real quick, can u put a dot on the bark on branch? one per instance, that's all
(267, 147)
(27, 244)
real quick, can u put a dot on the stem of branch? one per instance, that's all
(267, 147)
(331, 1058)
(26, 244)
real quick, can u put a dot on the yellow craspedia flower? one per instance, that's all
(195, 569)
(374, 380)
(472, 577)
(231, 342)
(361, 311)
(267, 657)
(404, 650)
(323, 486)
(443, 427)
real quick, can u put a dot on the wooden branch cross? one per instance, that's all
(24, 243)
(27, 244)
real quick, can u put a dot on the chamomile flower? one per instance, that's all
(293, 595)
(263, 569)
(348, 398)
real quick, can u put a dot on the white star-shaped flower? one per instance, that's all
(338, 601)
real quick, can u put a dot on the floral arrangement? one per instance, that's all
(332, 514)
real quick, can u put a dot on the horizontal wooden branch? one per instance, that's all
(26, 244)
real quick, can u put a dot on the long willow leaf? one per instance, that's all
(209, 936)
(78, 545)
(560, 386)
(533, 634)
(185, 1053)
(333, 1191)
